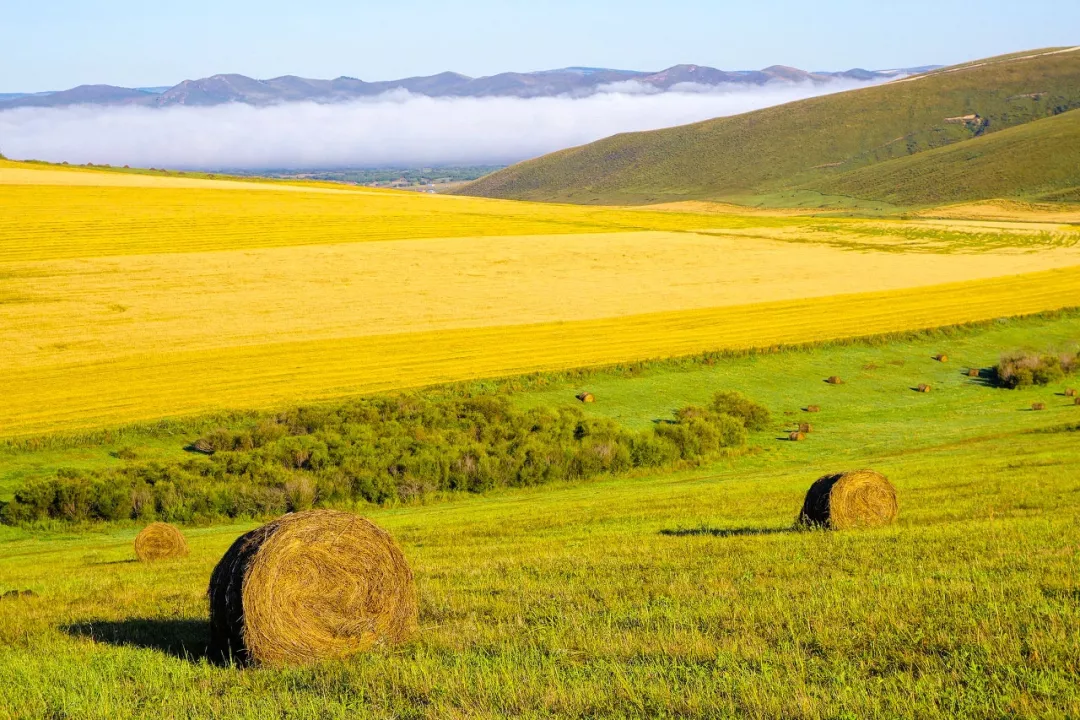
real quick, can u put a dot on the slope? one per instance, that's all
(1039, 158)
(795, 144)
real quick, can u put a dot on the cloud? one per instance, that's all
(393, 130)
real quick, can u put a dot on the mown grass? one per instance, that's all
(681, 594)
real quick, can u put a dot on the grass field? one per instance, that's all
(128, 297)
(682, 594)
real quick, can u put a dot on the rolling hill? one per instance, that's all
(815, 143)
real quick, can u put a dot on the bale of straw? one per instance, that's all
(862, 498)
(1038, 406)
(835, 380)
(924, 388)
(310, 586)
(813, 408)
(796, 437)
(160, 541)
(586, 397)
(806, 428)
(1077, 401)
(1070, 392)
(941, 357)
(974, 372)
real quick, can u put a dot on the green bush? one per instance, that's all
(1024, 369)
(381, 450)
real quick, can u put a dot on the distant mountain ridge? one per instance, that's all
(233, 88)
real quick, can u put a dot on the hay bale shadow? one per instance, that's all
(726, 532)
(182, 639)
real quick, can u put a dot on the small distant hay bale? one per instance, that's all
(797, 436)
(835, 380)
(974, 372)
(1077, 401)
(586, 397)
(1070, 392)
(160, 541)
(861, 498)
(923, 388)
(310, 586)
(813, 408)
(1038, 406)
(806, 428)
(941, 357)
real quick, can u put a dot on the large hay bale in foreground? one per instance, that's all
(310, 586)
(160, 541)
(862, 498)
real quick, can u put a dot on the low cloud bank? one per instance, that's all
(393, 130)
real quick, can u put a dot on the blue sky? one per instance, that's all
(54, 44)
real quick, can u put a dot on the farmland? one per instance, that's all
(130, 298)
(651, 594)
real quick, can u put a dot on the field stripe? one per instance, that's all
(146, 387)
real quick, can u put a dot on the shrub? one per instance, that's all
(380, 450)
(1024, 369)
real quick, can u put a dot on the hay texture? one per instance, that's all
(923, 388)
(586, 397)
(1070, 392)
(941, 357)
(796, 437)
(835, 380)
(862, 498)
(310, 586)
(160, 541)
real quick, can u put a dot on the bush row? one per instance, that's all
(1024, 369)
(382, 450)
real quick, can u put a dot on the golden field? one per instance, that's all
(133, 297)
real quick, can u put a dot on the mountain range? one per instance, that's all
(232, 88)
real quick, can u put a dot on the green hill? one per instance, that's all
(1038, 160)
(805, 144)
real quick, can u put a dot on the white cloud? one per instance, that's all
(397, 129)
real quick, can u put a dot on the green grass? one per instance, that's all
(682, 594)
(1029, 161)
(804, 145)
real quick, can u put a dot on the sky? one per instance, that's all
(58, 44)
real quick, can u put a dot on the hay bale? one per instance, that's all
(1077, 401)
(586, 397)
(796, 437)
(924, 388)
(974, 372)
(310, 586)
(1070, 392)
(806, 428)
(835, 380)
(1038, 406)
(862, 498)
(202, 445)
(941, 357)
(813, 408)
(160, 541)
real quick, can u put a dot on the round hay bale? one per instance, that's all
(806, 428)
(1070, 392)
(974, 372)
(796, 437)
(1077, 401)
(862, 498)
(835, 380)
(1038, 406)
(813, 408)
(941, 357)
(160, 541)
(924, 388)
(586, 397)
(310, 586)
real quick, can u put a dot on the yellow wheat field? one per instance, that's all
(131, 300)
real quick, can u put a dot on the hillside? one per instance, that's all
(1032, 160)
(801, 144)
